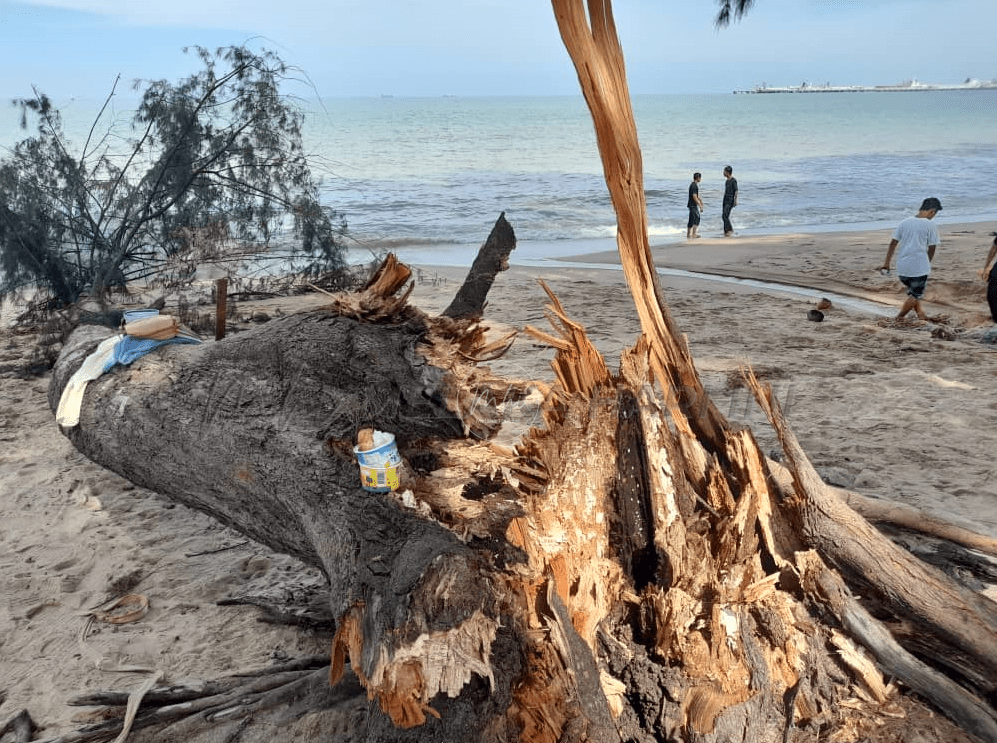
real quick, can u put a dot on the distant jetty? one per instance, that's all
(904, 87)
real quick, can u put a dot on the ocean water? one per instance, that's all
(428, 177)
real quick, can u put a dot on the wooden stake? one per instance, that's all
(221, 295)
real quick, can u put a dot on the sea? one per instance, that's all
(427, 178)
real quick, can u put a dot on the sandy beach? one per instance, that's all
(901, 410)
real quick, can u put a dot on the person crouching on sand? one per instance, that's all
(917, 239)
(989, 274)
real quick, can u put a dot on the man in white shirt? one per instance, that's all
(917, 238)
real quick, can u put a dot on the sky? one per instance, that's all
(77, 48)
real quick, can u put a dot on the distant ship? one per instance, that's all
(906, 86)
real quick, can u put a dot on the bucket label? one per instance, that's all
(381, 478)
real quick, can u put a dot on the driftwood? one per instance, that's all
(633, 570)
(183, 710)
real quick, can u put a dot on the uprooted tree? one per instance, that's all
(634, 569)
(211, 167)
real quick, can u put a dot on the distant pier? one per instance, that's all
(904, 87)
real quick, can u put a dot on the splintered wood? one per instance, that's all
(404, 678)
(718, 614)
(579, 367)
(712, 584)
(380, 297)
(716, 607)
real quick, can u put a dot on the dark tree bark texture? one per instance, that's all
(492, 258)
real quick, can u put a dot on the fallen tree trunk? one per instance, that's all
(258, 430)
(631, 572)
(506, 616)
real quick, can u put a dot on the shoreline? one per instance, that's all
(542, 253)
(851, 232)
(840, 262)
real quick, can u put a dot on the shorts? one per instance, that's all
(915, 285)
(693, 216)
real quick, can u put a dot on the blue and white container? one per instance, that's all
(136, 315)
(379, 466)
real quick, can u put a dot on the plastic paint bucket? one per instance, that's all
(379, 466)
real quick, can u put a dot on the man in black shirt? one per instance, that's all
(730, 200)
(695, 207)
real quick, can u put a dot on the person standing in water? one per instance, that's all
(695, 207)
(730, 200)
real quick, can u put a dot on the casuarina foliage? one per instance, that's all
(212, 165)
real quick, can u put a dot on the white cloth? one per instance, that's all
(913, 237)
(102, 358)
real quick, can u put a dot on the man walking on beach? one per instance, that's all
(730, 200)
(917, 238)
(695, 207)
(989, 274)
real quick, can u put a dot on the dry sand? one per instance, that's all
(906, 411)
